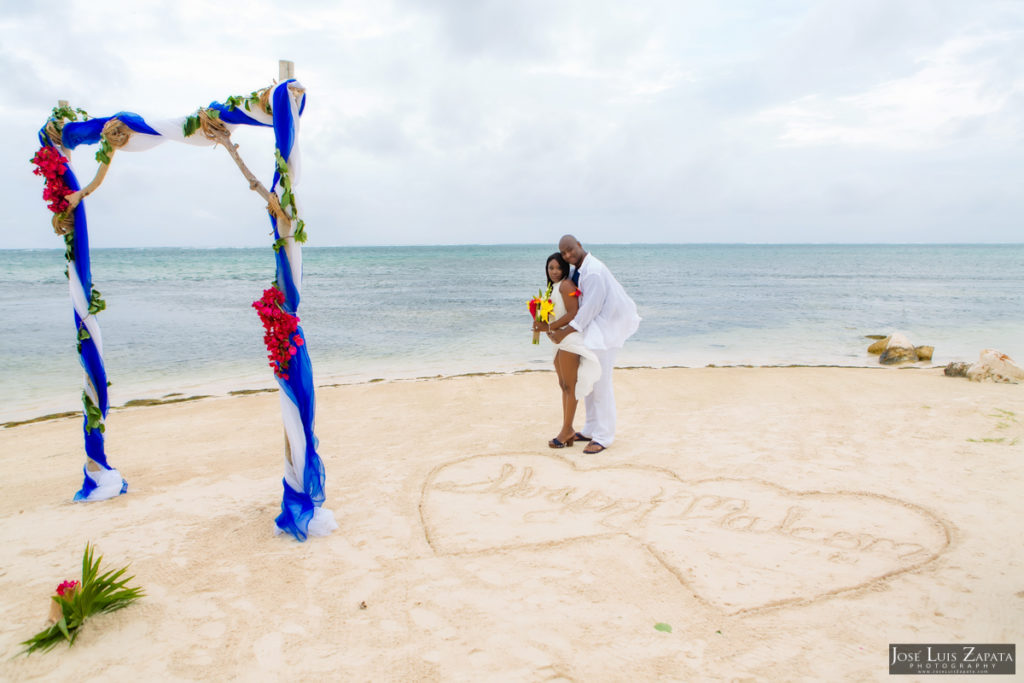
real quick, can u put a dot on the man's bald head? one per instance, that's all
(567, 240)
(571, 250)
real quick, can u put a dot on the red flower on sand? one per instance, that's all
(52, 165)
(279, 327)
(66, 588)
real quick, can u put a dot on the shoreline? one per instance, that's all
(177, 397)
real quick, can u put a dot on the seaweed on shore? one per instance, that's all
(137, 402)
(246, 392)
(134, 403)
(42, 418)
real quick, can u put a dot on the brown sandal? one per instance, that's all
(595, 445)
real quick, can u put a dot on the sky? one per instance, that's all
(516, 121)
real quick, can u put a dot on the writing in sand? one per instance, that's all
(719, 536)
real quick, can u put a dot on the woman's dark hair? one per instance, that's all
(562, 263)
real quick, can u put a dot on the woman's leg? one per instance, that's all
(558, 373)
(568, 364)
(561, 382)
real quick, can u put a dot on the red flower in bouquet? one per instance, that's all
(279, 328)
(52, 165)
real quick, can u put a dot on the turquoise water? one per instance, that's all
(179, 320)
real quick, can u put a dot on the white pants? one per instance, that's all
(600, 404)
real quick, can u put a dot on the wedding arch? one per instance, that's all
(279, 107)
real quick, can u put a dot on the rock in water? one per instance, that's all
(879, 345)
(994, 366)
(957, 369)
(898, 350)
(925, 352)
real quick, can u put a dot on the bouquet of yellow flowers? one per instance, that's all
(540, 308)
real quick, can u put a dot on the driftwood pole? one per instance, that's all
(64, 151)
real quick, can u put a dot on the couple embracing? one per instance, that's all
(593, 317)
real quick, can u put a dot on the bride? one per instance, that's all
(576, 365)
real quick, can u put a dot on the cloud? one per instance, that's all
(954, 91)
(448, 122)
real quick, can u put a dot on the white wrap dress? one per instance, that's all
(590, 367)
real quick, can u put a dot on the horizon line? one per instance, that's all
(546, 244)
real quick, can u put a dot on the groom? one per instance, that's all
(606, 318)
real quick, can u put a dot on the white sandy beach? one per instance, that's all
(787, 523)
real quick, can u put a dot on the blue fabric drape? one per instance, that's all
(77, 133)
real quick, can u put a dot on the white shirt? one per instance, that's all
(607, 317)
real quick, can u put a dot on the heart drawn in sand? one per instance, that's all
(738, 544)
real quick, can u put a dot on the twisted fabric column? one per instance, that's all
(101, 481)
(302, 514)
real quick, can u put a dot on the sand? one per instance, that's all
(786, 523)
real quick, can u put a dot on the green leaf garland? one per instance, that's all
(105, 151)
(96, 304)
(191, 124)
(288, 200)
(93, 415)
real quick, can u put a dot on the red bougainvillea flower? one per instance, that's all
(50, 162)
(280, 330)
(52, 165)
(66, 588)
(578, 292)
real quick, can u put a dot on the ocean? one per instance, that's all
(180, 320)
